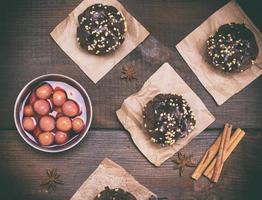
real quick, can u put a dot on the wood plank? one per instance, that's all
(22, 168)
(28, 51)
(108, 94)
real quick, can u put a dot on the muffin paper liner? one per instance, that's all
(112, 175)
(164, 80)
(95, 67)
(192, 49)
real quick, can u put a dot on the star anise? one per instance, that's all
(128, 73)
(52, 180)
(182, 161)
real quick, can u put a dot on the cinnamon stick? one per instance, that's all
(234, 141)
(212, 164)
(222, 152)
(208, 157)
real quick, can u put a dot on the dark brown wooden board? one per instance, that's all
(27, 51)
(22, 168)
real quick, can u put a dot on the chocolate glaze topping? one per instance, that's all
(101, 29)
(114, 194)
(168, 117)
(232, 48)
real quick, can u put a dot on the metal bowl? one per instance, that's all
(24, 93)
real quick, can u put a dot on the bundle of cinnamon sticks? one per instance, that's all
(213, 160)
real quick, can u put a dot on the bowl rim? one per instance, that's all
(37, 146)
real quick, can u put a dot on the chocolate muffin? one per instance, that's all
(167, 118)
(114, 194)
(232, 48)
(101, 29)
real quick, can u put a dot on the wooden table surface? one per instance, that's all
(27, 51)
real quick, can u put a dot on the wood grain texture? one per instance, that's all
(27, 51)
(22, 168)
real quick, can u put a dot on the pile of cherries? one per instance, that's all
(50, 116)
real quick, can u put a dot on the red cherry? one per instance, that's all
(42, 107)
(47, 123)
(28, 111)
(44, 91)
(32, 98)
(61, 137)
(70, 108)
(37, 132)
(64, 124)
(29, 123)
(78, 125)
(46, 138)
(58, 88)
(59, 97)
(58, 109)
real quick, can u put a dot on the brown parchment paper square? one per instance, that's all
(95, 67)
(112, 175)
(192, 49)
(164, 80)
